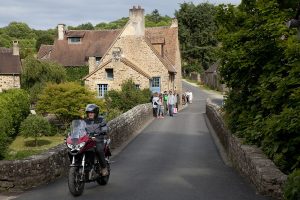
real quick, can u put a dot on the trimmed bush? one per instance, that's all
(292, 186)
(35, 126)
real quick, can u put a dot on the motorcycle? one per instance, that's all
(85, 166)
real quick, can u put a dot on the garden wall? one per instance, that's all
(19, 175)
(249, 160)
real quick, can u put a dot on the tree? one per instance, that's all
(197, 35)
(37, 73)
(35, 126)
(44, 39)
(261, 67)
(19, 30)
(86, 26)
(66, 100)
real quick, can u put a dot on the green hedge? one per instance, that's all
(14, 108)
(292, 186)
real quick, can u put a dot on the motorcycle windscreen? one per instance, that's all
(78, 129)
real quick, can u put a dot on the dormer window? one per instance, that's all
(74, 40)
(98, 60)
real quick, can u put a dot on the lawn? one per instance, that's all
(23, 147)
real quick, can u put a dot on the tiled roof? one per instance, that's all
(97, 42)
(44, 50)
(9, 64)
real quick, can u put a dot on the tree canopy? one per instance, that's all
(197, 35)
(260, 65)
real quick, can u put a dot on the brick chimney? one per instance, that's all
(61, 31)
(137, 21)
(16, 48)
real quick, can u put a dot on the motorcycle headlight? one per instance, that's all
(70, 146)
(81, 145)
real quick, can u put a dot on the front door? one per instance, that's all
(155, 85)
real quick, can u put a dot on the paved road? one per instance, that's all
(173, 158)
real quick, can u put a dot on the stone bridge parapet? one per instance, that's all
(249, 160)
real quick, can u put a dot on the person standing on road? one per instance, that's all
(155, 100)
(190, 96)
(171, 103)
(165, 100)
(160, 106)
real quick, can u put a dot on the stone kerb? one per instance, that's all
(249, 160)
(19, 175)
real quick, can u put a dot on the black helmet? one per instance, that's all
(92, 108)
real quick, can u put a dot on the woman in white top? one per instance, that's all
(155, 103)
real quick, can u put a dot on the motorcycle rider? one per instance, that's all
(97, 128)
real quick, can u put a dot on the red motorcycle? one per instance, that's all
(85, 166)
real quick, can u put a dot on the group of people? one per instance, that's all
(165, 103)
(187, 97)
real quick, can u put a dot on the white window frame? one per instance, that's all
(102, 89)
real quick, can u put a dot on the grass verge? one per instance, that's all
(23, 147)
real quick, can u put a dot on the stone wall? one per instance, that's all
(249, 160)
(19, 175)
(9, 81)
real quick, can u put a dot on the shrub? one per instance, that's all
(14, 108)
(6, 127)
(66, 100)
(18, 106)
(127, 98)
(35, 126)
(292, 186)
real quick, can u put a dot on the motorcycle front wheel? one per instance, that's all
(76, 186)
(103, 180)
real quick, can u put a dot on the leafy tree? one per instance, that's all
(19, 30)
(86, 26)
(197, 35)
(36, 73)
(18, 106)
(35, 126)
(261, 67)
(44, 39)
(66, 100)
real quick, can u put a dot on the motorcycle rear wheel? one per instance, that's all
(76, 186)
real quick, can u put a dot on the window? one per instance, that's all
(109, 74)
(155, 82)
(102, 89)
(98, 60)
(74, 40)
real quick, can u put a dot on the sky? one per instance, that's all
(45, 14)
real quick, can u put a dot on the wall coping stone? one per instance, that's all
(249, 160)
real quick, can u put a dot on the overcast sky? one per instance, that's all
(44, 14)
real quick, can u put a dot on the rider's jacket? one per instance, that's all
(96, 127)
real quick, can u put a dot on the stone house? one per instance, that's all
(10, 67)
(149, 56)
